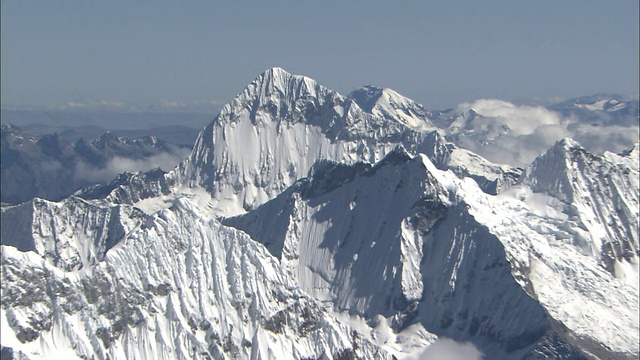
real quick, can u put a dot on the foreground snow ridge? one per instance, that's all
(310, 225)
(179, 285)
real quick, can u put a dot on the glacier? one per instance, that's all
(310, 225)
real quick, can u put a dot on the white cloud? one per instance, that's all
(522, 119)
(98, 104)
(179, 104)
(51, 166)
(447, 349)
(117, 165)
(531, 131)
(611, 138)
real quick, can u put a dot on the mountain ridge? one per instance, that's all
(423, 238)
(303, 226)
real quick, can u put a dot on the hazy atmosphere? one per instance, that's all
(165, 55)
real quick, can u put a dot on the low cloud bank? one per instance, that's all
(522, 120)
(117, 165)
(447, 349)
(513, 134)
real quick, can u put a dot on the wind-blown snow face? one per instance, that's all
(177, 286)
(414, 244)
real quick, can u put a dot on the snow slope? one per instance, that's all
(413, 244)
(390, 105)
(178, 285)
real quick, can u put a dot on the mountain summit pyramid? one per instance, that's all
(281, 124)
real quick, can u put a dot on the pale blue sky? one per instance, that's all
(439, 53)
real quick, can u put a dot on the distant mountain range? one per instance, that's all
(103, 117)
(173, 134)
(52, 167)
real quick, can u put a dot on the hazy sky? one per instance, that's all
(439, 53)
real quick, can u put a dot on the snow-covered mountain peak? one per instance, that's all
(390, 105)
(600, 109)
(567, 166)
(597, 102)
(271, 134)
(601, 198)
(366, 96)
(275, 72)
(274, 94)
(566, 144)
(278, 79)
(552, 171)
(279, 125)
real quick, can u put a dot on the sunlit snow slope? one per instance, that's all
(176, 285)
